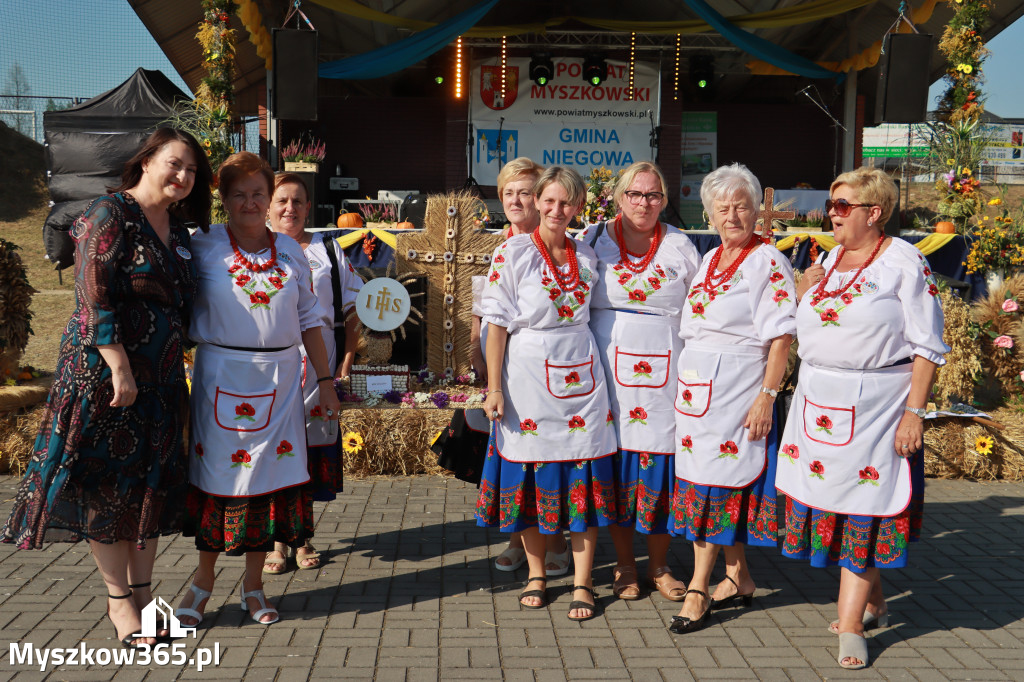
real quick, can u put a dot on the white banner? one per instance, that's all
(566, 122)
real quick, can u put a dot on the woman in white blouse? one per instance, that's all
(870, 327)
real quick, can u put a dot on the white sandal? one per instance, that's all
(516, 557)
(264, 609)
(560, 561)
(198, 596)
(852, 645)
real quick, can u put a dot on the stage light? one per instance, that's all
(504, 64)
(595, 69)
(675, 90)
(632, 64)
(439, 79)
(542, 68)
(702, 71)
(458, 68)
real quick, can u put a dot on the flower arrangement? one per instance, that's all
(999, 323)
(313, 151)
(600, 204)
(963, 198)
(999, 238)
(965, 51)
(378, 213)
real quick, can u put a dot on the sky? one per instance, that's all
(79, 48)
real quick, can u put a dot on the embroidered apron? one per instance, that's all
(319, 431)
(716, 388)
(640, 354)
(556, 402)
(837, 451)
(247, 433)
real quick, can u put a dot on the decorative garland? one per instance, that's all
(251, 18)
(965, 52)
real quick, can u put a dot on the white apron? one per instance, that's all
(247, 433)
(717, 385)
(640, 354)
(319, 431)
(837, 451)
(556, 402)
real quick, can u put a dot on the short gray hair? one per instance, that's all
(727, 181)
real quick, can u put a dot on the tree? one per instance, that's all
(15, 88)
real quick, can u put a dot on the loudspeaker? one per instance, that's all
(903, 78)
(295, 77)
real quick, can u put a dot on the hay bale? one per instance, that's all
(396, 441)
(18, 431)
(950, 446)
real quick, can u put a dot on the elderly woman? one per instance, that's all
(739, 324)
(550, 467)
(108, 464)
(870, 327)
(646, 268)
(248, 437)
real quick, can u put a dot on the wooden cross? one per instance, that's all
(769, 214)
(450, 251)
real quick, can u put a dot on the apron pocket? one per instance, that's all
(693, 400)
(239, 412)
(642, 370)
(828, 425)
(570, 379)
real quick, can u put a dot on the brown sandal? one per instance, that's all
(269, 562)
(310, 555)
(667, 585)
(625, 585)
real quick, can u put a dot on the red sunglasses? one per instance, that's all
(843, 207)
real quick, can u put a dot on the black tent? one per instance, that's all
(87, 146)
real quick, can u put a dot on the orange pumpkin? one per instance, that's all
(25, 375)
(405, 225)
(350, 220)
(945, 227)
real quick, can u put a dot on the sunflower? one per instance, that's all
(983, 444)
(352, 443)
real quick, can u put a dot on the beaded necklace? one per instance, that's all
(820, 291)
(248, 264)
(713, 281)
(624, 253)
(567, 282)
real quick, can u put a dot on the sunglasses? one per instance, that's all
(843, 207)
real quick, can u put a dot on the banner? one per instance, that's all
(700, 157)
(566, 122)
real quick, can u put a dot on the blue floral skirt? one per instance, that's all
(644, 484)
(552, 496)
(856, 542)
(726, 516)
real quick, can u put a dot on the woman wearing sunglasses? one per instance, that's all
(646, 268)
(870, 327)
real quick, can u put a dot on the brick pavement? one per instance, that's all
(408, 592)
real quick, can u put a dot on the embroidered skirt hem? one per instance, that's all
(236, 525)
(644, 484)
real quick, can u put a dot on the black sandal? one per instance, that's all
(542, 594)
(576, 604)
(681, 624)
(128, 642)
(166, 636)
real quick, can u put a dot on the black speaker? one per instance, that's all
(903, 78)
(294, 96)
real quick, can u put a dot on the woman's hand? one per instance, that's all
(495, 403)
(909, 435)
(329, 402)
(125, 390)
(812, 276)
(759, 417)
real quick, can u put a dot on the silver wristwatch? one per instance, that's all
(770, 391)
(918, 411)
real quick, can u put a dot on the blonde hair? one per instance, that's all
(873, 186)
(569, 179)
(629, 175)
(727, 181)
(517, 169)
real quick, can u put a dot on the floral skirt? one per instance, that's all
(326, 474)
(553, 496)
(726, 516)
(236, 525)
(644, 484)
(856, 542)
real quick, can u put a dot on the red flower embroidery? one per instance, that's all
(933, 290)
(829, 315)
(284, 447)
(847, 298)
(316, 412)
(884, 548)
(519, 498)
(242, 280)
(817, 469)
(528, 425)
(775, 277)
(824, 531)
(791, 451)
(498, 259)
(780, 295)
(494, 276)
(572, 378)
(869, 474)
(625, 277)
(617, 267)
(728, 448)
(687, 442)
(565, 311)
(637, 295)
(577, 422)
(860, 552)
(815, 299)
(578, 497)
(234, 268)
(927, 272)
(697, 308)
(245, 410)
(903, 526)
(773, 262)
(580, 297)
(241, 456)
(655, 283)
(638, 413)
(642, 367)
(259, 298)
(555, 293)
(687, 395)
(551, 518)
(645, 460)
(199, 449)
(824, 424)
(732, 508)
(610, 418)
(545, 281)
(276, 281)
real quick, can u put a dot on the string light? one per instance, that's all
(675, 90)
(458, 68)
(504, 63)
(632, 63)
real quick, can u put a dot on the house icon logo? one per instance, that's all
(156, 610)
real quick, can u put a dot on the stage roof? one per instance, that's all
(342, 34)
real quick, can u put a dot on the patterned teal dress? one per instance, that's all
(114, 473)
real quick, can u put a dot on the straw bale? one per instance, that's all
(955, 380)
(24, 395)
(950, 448)
(1003, 365)
(18, 431)
(396, 441)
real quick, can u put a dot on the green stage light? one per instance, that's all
(439, 79)
(702, 83)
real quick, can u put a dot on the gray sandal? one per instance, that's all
(852, 645)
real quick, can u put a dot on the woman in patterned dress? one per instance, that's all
(646, 270)
(109, 464)
(870, 326)
(738, 326)
(247, 434)
(550, 467)
(289, 209)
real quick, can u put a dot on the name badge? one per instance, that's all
(871, 286)
(314, 265)
(183, 252)
(670, 273)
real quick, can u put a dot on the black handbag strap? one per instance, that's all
(597, 233)
(335, 274)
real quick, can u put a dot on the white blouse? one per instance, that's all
(891, 313)
(350, 282)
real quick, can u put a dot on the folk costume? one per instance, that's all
(851, 500)
(114, 473)
(725, 492)
(323, 453)
(248, 438)
(550, 465)
(635, 319)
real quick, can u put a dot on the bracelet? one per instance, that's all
(494, 391)
(324, 379)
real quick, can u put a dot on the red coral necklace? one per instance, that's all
(820, 292)
(570, 281)
(248, 264)
(713, 281)
(624, 253)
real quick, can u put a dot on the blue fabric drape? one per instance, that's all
(759, 47)
(417, 47)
